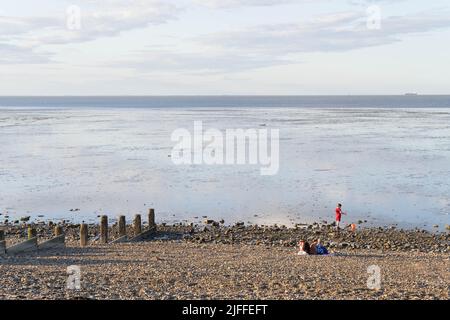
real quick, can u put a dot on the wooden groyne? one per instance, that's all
(32, 243)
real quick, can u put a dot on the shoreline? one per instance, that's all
(210, 231)
(213, 261)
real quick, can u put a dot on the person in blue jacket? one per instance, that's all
(318, 248)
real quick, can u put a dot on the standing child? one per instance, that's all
(339, 214)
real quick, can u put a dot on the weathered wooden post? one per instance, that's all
(58, 231)
(104, 229)
(83, 234)
(31, 233)
(151, 218)
(122, 226)
(137, 224)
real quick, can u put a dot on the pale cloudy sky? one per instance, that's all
(163, 47)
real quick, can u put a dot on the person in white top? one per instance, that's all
(303, 248)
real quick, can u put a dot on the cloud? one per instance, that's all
(118, 17)
(337, 32)
(13, 54)
(21, 37)
(243, 3)
(98, 19)
(194, 63)
(11, 26)
(226, 4)
(272, 45)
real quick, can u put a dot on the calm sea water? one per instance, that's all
(386, 158)
(406, 101)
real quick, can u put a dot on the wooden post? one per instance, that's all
(83, 234)
(104, 229)
(122, 226)
(31, 233)
(151, 218)
(137, 224)
(58, 231)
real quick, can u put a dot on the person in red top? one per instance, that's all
(339, 214)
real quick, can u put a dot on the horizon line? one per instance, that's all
(228, 95)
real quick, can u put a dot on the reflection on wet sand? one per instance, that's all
(385, 165)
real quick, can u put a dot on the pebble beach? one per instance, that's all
(215, 261)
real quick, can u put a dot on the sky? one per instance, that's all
(224, 47)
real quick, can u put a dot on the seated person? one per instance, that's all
(303, 247)
(318, 248)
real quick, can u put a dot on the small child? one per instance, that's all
(339, 214)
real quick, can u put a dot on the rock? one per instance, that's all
(25, 219)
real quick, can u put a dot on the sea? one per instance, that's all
(385, 158)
